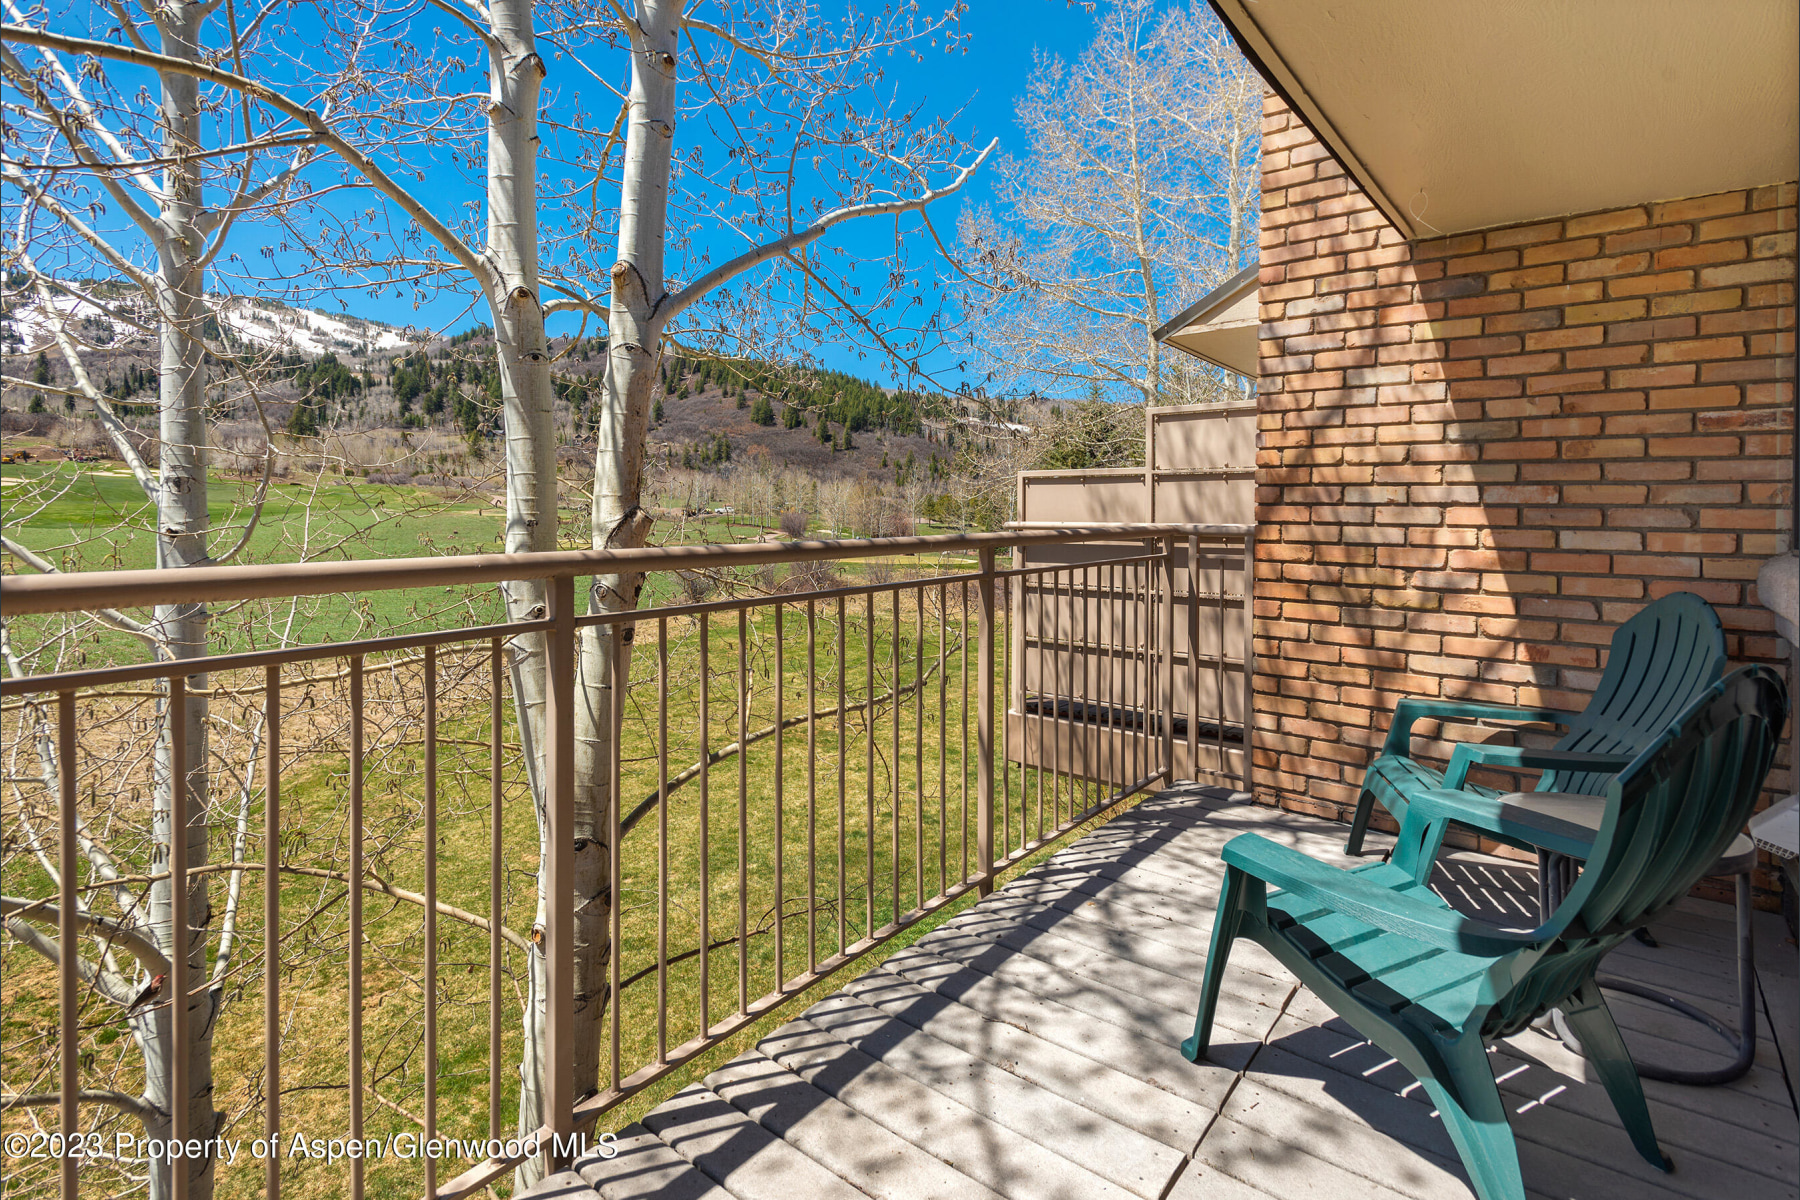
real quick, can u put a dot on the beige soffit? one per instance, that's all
(1220, 327)
(1465, 114)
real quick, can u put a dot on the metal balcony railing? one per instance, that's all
(795, 777)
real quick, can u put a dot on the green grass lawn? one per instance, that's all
(89, 516)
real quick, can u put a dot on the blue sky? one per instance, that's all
(983, 84)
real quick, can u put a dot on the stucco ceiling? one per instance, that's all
(1465, 114)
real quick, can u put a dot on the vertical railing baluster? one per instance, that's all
(1168, 661)
(743, 813)
(559, 793)
(1042, 752)
(1012, 669)
(1193, 655)
(496, 883)
(984, 736)
(662, 839)
(1144, 609)
(1141, 633)
(705, 825)
(963, 872)
(614, 858)
(894, 763)
(1057, 654)
(1126, 666)
(1093, 674)
(180, 932)
(1249, 661)
(812, 785)
(431, 1015)
(1104, 607)
(1153, 610)
(1219, 671)
(780, 781)
(869, 825)
(1080, 671)
(842, 777)
(68, 930)
(943, 739)
(919, 751)
(356, 916)
(272, 926)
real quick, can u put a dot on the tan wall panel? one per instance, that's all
(1199, 500)
(1084, 499)
(1201, 438)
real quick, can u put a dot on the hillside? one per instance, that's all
(382, 387)
(691, 426)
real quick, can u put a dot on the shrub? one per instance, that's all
(793, 524)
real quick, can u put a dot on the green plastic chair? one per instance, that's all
(1660, 660)
(1432, 987)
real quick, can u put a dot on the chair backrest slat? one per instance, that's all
(1659, 661)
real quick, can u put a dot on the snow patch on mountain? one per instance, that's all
(123, 324)
(311, 332)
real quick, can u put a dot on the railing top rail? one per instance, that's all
(281, 656)
(76, 591)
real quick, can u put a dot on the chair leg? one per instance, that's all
(1417, 849)
(1592, 1024)
(1469, 1102)
(1359, 824)
(1226, 920)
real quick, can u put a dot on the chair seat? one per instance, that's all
(1388, 971)
(1398, 777)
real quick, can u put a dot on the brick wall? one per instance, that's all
(1478, 455)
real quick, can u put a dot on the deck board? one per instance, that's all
(1028, 1048)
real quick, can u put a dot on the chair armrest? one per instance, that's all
(1556, 821)
(1355, 896)
(1411, 709)
(1469, 754)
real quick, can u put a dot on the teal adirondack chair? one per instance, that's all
(1660, 659)
(1431, 987)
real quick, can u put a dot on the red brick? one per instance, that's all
(1690, 447)
(1696, 302)
(1703, 254)
(1625, 264)
(1667, 281)
(1757, 271)
(1607, 222)
(1563, 294)
(1653, 238)
(1653, 377)
(1523, 364)
(1699, 208)
(1723, 347)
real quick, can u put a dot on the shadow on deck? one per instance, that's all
(1028, 1049)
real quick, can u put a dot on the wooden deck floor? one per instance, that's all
(1028, 1049)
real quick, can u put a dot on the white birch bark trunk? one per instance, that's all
(515, 78)
(182, 528)
(617, 518)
